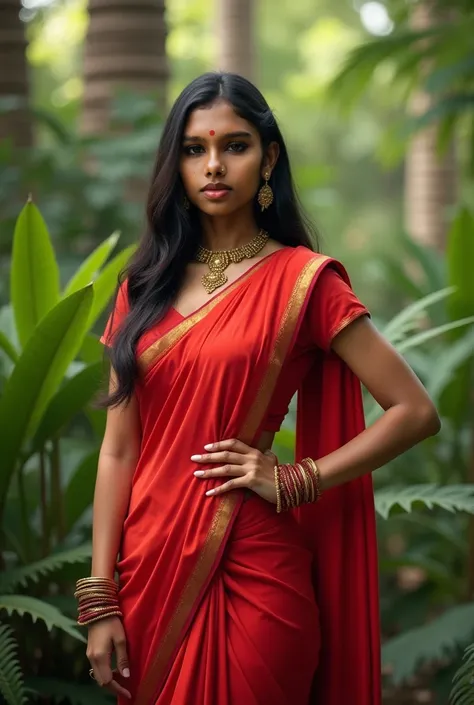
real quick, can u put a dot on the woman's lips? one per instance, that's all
(216, 195)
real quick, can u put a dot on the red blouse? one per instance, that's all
(331, 307)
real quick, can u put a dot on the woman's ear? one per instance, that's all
(270, 158)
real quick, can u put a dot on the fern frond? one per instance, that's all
(11, 579)
(38, 609)
(434, 641)
(12, 687)
(462, 692)
(453, 498)
(53, 689)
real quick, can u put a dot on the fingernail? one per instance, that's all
(195, 457)
(126, 673)
(199, 473)
(209, 446)
(209, 492)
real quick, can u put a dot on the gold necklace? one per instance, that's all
(219, 260)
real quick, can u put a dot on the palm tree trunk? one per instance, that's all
(430, 180)
(14, 84)
(125, 48)
(236, 37)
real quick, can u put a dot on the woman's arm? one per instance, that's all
(117, 461)
(409, 417)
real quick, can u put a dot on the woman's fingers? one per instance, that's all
(115, 688)
(230, 485)
(224, 456)
(230, 470)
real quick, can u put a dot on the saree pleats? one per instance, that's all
(237, 650)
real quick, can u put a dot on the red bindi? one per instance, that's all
(212, 132)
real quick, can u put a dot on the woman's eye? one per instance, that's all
(237, 146)
(194, 149)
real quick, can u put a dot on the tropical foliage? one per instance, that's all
(437, 59)
(51, 367)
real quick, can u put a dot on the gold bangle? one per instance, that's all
(317, 475)
(276, 471)
(307, 466)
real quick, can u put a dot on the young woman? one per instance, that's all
(225, 312)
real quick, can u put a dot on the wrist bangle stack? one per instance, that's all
(97, 598)
(297, 484)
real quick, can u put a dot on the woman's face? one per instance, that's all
(222, 163)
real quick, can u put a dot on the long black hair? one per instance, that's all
(155, 273)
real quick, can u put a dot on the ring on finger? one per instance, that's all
(91, 673)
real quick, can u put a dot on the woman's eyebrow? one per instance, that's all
(228, 135)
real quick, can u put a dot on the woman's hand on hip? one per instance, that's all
(247, 467)
(105, 636)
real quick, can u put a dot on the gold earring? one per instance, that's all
(186, 203)
(265, 195)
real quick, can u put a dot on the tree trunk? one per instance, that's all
(125, 48)
(430, 180)
(14, 83)
(236, 36)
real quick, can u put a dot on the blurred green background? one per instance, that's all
(376, 101)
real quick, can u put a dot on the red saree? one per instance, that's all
(225, 602)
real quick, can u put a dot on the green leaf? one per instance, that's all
(12, 687)
(92, 349)
(34, 272)
(460, 255)
(426, 335)
(13, 578)
(451, 497)
(8, 347)
(463, 681)
(443, 78)
(68, 401)
(53, 689)
(106, 283)
(38, 609)
(80, 490)
(429, 260)
(434, 641)
(37, 375)
(398, 324)
(89, 269)
(448, 362)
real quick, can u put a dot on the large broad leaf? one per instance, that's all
(12, 687)
(92, 349)
(38, 609)
(91, 266)
(436, 640)
(55, 690)
(80, 490)
(452, 498)
(37, 375)
(8, 347)
(68, 401)
(12, 579)
(34, 273)
(106, 283)
(460, 253)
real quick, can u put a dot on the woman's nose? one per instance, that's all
(214, 164)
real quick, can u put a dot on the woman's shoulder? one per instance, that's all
(315, 263)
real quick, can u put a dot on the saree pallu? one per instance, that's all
(220, 595)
